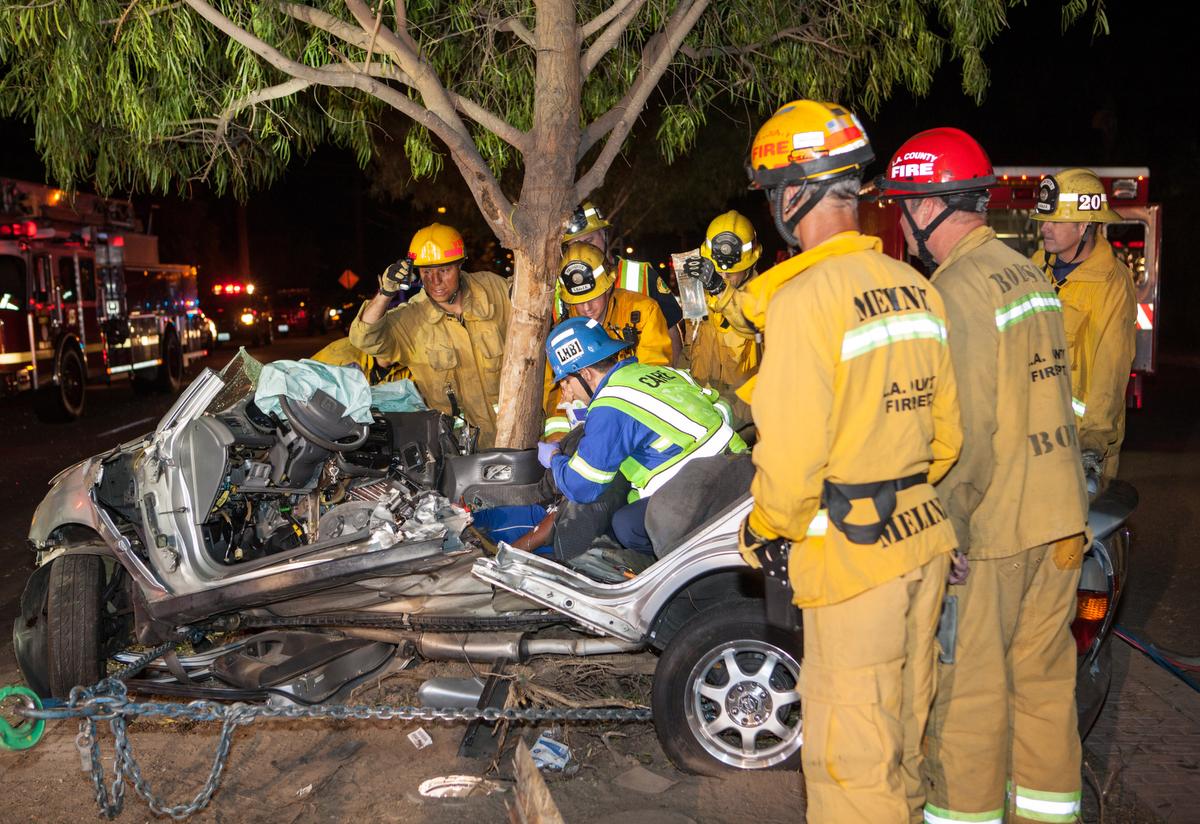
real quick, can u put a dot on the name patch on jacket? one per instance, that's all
(912, 522)
(658, 378)
(1012, 276)
(875, 302)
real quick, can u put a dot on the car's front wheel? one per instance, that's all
(88, 618)
(725, 693)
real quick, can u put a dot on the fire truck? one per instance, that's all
(1136, 239)
(84, 300)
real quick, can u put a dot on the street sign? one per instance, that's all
(348, 279)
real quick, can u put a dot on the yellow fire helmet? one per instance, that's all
(731, 243)
(808, 141)
(436, 245)
(1073, 196)
(583, 274)
(586, 218)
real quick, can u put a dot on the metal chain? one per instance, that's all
(108, 700)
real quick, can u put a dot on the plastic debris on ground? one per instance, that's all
(458, 786)
(397, 396)
(549, 754)
(419, 738)
(298, 380)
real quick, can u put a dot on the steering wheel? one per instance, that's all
(296, 419)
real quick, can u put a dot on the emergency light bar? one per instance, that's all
(26, 229)
(233, 288)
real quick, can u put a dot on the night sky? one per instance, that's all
(1055, 99)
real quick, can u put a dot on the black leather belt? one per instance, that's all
(836, 499)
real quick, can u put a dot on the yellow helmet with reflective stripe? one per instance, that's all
(731, 243)
(583, 274)
(436, 245)
(1074, 196)
(808, 140)
(583, 221)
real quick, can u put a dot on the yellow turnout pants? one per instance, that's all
(1004, 717)
(866, 685)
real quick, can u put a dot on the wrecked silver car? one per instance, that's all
(322, 550)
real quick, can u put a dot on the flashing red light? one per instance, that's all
(1137, 244)
(118, 241)
(25, 229)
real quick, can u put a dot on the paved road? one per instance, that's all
(1146, 748)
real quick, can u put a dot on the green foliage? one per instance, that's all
(144, 94)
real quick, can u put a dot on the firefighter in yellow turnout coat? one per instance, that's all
(857, 415)
(451, 335)
(587, 290)
(724, 357)
(1004, 715)
(1099, 308)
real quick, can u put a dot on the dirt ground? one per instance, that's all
(315, 771)
(320, 771)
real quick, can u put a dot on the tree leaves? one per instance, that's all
(147, 94)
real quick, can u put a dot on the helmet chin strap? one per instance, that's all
(1088, 234)
(786, 226)
(921, 236)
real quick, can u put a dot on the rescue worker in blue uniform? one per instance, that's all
(644, 421)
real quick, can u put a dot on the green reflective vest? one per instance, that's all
(677, 409)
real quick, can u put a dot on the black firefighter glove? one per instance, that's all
(703, 270)
(772, 556)
(397, 278)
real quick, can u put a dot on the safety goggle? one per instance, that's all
(727, 249)
(578, 278)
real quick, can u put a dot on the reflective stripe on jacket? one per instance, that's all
(1100, 316)
(646, 422)
(856, 386)
(443, 351)
(1018, 482)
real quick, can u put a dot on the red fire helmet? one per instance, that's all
(937, 162)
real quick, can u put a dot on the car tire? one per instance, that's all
(73, 626)
(711, 720)
(170, 372)
(63, 400)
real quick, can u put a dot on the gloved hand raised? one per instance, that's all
(397, 278)
(703, 270)
(546, 451)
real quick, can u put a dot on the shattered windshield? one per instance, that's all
(240, 376)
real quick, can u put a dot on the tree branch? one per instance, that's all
(221, 125)
(656, 57)
(611, 36)
(601, 20)
(489, 195)
(512, 24)
(355, 36)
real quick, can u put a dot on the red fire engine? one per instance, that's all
(1137, 239)
(83, 298)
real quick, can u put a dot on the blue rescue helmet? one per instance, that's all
(577, 343)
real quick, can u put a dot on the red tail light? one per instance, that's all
(1090, 611)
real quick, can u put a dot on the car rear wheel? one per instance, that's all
(725, 693)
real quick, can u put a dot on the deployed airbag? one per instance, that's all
(298, 380)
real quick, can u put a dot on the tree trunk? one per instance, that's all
(535, 226)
